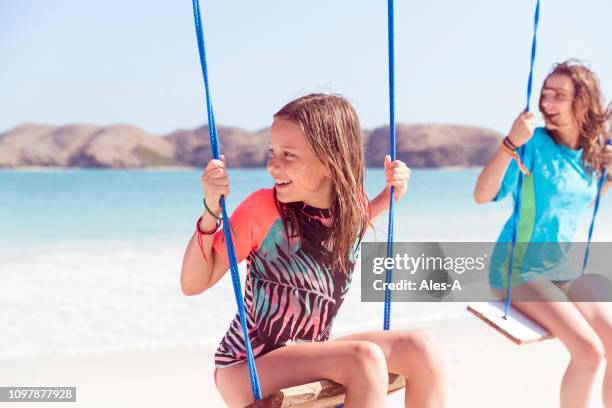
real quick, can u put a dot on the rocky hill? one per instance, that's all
(126, 146)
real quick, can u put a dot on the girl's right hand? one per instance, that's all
(522, 129)
(215, 183)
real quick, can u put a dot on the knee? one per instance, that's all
(589, 353)
(368, 364)
(369, 356)
(421, 353)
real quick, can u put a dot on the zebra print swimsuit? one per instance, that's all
(291, 294)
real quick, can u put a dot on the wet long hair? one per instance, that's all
(333, 133)
(589, 110)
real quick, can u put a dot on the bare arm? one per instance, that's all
(607, 185)
(492, 175)
(608, 163)
(379, 204)
(201, 270)
(397, 175)
(197, 272)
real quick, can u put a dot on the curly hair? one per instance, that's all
(589, 110)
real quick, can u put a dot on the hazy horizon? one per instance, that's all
(460, 63)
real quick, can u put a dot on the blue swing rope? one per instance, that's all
(226, 226)
(214, 144)
(389, 271)
(600, 184)
(517, 202)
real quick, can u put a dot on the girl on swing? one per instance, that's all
(563, 161)
(300, 239)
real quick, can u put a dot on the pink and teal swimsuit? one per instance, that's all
(291, 294)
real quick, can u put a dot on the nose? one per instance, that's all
(273, 164)
(547, 103)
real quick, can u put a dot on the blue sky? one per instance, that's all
(136, 62)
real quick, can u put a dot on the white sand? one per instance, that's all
(485, 370)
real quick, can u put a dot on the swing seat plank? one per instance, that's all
(320, 394)
(518, 327)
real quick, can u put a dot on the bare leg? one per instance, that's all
(416, 356)
(358, 365)
(565, 321)
(599, 316)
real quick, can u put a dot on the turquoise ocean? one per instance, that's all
(90, 259)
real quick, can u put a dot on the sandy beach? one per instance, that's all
(485, 369)
(100, 308)
(106, 140)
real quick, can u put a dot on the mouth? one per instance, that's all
(281, 183)
(551, 116)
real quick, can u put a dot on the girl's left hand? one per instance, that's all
(397, 175)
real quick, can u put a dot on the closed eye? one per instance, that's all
(562, 96)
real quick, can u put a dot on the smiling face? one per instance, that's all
(574, 109)
(556, 103)
(298, 174)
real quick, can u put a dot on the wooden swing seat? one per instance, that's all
(518, 327)
(320, 394)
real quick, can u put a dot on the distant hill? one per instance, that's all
(126, 146)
